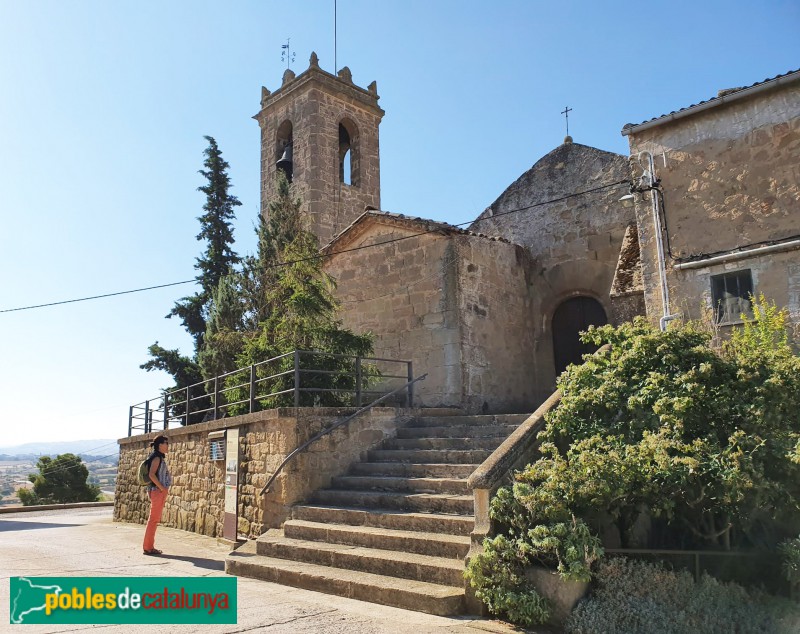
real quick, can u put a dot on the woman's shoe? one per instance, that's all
(154, 551)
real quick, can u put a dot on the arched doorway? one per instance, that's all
(570, 318)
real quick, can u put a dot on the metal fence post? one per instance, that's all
(297, 378)
(252, 388)
(147, 419)
(358, 381)
(130, 421)
(410, 397)
(216, 397)
(188, 404)
(166, 410)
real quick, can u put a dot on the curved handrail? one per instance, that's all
(327, 431)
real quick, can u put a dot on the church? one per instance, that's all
(491, 312)
(703, 214)
(584, 237)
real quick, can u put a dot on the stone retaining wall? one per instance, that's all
(196, 497)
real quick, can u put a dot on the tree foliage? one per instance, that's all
(60, 481)
(217, 262)
(281, 301)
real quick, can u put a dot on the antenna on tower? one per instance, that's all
(286, 53)
(335, 67)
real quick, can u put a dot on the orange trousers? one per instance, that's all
(157, 500)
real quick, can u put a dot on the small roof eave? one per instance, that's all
(763, 86)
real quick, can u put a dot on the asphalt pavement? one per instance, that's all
(86, 542)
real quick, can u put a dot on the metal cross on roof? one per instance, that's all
(566, 112)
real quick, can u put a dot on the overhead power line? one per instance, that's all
(331, 254)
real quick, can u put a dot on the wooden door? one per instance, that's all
(570, 318)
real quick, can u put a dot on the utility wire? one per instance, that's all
(452, 260)
(331, 254)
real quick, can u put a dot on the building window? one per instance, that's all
(731, 293)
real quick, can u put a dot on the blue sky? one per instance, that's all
(104, 106)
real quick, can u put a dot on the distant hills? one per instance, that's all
(96, 447)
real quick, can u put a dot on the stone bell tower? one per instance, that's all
(322, 130)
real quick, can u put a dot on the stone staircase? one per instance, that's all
(396, 529)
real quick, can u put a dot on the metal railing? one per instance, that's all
(294, 379)
(333, 428)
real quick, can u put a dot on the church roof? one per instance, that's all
(545, 178)
(419, 225)
(724, 96)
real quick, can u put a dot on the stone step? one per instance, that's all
(392, 563)
(453, 486)
(422, 543)
(402, 593)
(418, 502)
(385, 518)
(427, 456)
(407, 470)
(443, 443)
(479, 420)
(457, 431)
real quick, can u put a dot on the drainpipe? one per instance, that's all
(650, 182)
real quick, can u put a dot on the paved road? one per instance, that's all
(85, 542)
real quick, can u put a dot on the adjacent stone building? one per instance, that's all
(729, 217)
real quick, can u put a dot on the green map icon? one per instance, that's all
(28, 597)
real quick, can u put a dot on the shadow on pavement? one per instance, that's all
(12, 525)
(200, 562)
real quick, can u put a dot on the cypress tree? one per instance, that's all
(217, 262)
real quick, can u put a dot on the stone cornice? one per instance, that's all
(316, 76)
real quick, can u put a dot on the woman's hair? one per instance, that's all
(158, 440)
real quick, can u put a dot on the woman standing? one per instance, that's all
(160, 480)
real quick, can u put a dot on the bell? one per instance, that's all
(285, 162)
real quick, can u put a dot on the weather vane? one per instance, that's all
(286, 53)
(566, 112)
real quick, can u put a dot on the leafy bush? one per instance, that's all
(571, 544)
(705, 439)
(498, 574)
(637, 597)
(790, 549)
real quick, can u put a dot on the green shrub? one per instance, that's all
(706, 440)
(634, 597)
(570, 545)
(498, 576)
(790, 549)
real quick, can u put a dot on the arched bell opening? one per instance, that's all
(284, 159)
(349, 163)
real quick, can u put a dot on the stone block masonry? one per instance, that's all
(197, 497)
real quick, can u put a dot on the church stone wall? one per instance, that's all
(575, 242)
(497, 326)
(732, 179)
(405, 294)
